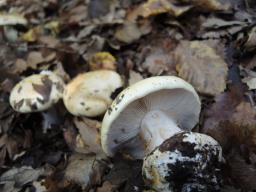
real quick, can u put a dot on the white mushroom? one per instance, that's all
(89, 94)
(148, 112)
(185, 162)
(37, 92)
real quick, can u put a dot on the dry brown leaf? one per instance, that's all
(24, 175)
(20, 66)
(85, 170)
(200, 65)
(134, 77)
(159, 61)
(35, 58)
(131, 31)
(156, 7)
(173, 7)
(90, 136)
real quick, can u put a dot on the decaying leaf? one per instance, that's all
(249, 43)
(156, 7)
(23, 175)
(232, 122)
(174, 7)
(216, 28)
(35, 58)
(200, 65)
(11, 145)
(134, 77)
(90, 136)
(249, 77)
(85, 170)
(159, 61)
(131, 31)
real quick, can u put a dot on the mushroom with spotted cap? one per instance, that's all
(89, 94)
(148, 112)
(37, 92)
(185, 162)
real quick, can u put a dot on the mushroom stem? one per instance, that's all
(156, 127)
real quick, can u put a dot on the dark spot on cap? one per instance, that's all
(18, 104)
(20, 88)
(87, 108)
(59, 87)
(45, 89)
(82, 103)
(110, 110)
(40, 100)
(119, 98)
(123, 130)
(33, 107)
(96, 91)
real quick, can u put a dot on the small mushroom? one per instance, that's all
(37, 92)
(89, 94)
(185, 162)
(148, 112)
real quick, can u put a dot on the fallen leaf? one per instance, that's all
(159, 61)
(12, 19)
(249, 77)
(249, 43)
(200, 65)
(20, 66)
(251, 82)
(156, 7)
(134, 77)
(35, 58)
(125, 175)
(85, 170)
(90, 135)
(23, 175)
(131, 32)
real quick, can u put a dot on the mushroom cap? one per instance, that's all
(37, 92)
(89, 94)
(122, 122)
(185, 162)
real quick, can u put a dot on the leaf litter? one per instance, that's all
(209, 43)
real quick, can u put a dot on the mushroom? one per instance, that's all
(185, 162)
(148, 112)
(37, 92)
(89, 94)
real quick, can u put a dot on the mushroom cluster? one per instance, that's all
(152, 119)
(88, 94)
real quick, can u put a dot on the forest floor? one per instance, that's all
(209, 43)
